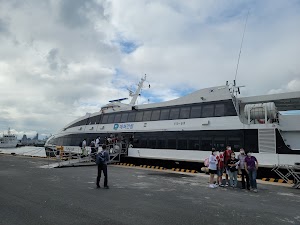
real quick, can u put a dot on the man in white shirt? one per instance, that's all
(83, 148)
(97, 143)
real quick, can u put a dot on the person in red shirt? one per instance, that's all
(220, 168)
(227, 155)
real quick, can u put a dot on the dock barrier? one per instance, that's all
(277, 180)
(156, 167)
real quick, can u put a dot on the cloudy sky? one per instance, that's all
(62, 58)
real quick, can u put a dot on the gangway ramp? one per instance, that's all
(83, 158)
(86, 161)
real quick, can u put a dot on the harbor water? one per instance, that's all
(25, 150)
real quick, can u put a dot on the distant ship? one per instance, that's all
(8, 140)
(187, 128)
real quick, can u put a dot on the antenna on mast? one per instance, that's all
(237, 66)
(135, 94)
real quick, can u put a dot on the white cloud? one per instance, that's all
(293, 85)
(62, 58)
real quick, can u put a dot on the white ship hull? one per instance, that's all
(12, 144)
(8, 140)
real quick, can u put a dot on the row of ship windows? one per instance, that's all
(205, 144)
(225, 108)
(193, 143)
(182, 140)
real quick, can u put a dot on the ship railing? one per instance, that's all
(64, 158)
(287, 172)
(235, 102)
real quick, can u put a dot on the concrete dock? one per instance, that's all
(32, 195)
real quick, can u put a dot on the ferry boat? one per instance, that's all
(187, 128)
(8, 140)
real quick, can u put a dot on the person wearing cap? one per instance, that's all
(97, 143)
(251, 166)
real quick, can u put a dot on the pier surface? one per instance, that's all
(32, 195)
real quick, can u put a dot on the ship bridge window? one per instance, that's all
(147, 116)
(89, 121)
(207, 111)
(118, 118)
(99, 119)
(196, 111)
(139, 116)
(111, 118)
(93, 120)
(219, 110)
(229, 109)
(82, 122)
(131, 117)
(164, 114)
(174, 113)
(105, 119)
(155, 115)
(124, 117)
(185, 113)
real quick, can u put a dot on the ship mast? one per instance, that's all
(137, 92)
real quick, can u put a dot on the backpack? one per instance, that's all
(206, 162)
(100, 158)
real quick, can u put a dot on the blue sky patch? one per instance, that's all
(127, 46)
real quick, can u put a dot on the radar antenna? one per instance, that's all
(233, 88)
(136, 94)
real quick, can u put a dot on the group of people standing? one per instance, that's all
(227, 161)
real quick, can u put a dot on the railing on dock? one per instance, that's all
(81, 157)
(286, 172)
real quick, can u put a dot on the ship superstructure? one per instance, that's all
(8, 140)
